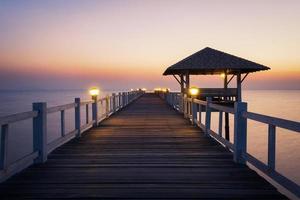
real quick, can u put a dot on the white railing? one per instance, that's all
(41, 148)
(190, 107)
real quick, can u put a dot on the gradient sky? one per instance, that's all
(63, 44)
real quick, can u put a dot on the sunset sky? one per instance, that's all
(72, 44)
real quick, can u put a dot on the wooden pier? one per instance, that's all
(146, 150)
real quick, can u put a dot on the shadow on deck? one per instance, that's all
(145, 151)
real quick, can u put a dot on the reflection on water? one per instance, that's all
(283, 104)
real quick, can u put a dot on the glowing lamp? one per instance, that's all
(94, 91)
(194, 91)
(144, 89)
(223, 75)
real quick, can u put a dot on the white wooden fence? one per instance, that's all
(41, 148)
(191, 107)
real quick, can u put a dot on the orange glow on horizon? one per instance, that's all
(132, 44)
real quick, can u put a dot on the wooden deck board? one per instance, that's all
(145, 151)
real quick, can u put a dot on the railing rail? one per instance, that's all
(192, 108)
(41, 148)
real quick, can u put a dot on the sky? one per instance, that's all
(117, 45)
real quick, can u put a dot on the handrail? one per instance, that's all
(61, 107)
(200, 102)
(222, 108)
(102, 99)
(17, 117)
(191, 106)
(282, 123)
(82, 103)
(41, 148)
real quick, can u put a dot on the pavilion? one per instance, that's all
(209, 61)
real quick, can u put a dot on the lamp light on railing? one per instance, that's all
(194, 91)
(165, 90)
(223, 75)
(157, 89)
(94, 91)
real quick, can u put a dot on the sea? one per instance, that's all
(277, 103)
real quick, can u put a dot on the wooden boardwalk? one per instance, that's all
(145, 151)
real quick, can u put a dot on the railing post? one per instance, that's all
(200, 111)
(107, 106)
(129, 97)
(172, 99)
(114, 102)
(123, 99)
(3, 147)
(87, 113)
(126, 98)
(194, 112)
(95, 110)
(180, 103)
(185, 107)
(40, 131)
(77, 117)
(120, 100)
(220, 123)
(167, 98)
(62, 123)
(207, 116)
(240, 132)
(271, 146)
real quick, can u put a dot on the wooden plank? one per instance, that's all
(276, 176)
(144, 151)
(221, 140)
(18, 166)
(60, 141)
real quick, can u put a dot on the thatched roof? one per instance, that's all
(211, 61)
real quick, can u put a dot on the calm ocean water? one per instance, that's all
(283, 104)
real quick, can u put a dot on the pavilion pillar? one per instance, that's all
(239, 87)
(181, 84)
(187, 83)
(182, 90)
(226, 114)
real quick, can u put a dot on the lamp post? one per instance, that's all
(192, 108)
(94, 92)
(194, 91)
